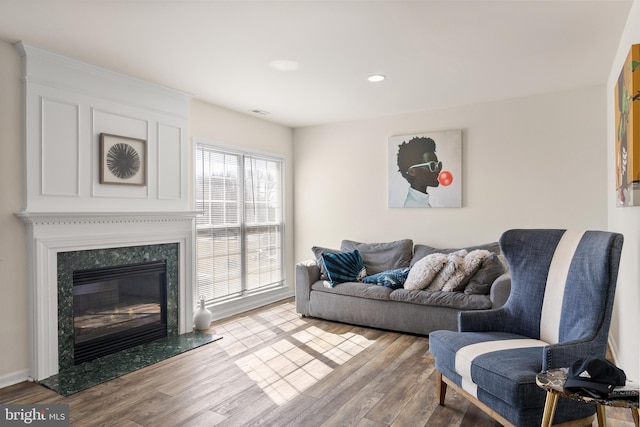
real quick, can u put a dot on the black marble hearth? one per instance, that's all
(72, 377)
(85, 375)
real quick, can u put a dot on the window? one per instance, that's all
(239, 237)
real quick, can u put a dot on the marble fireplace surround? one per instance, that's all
(70, 262)
(51, 233)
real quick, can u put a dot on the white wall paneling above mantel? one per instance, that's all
(68, 104)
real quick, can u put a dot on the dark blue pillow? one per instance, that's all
(344, 267)
(393, 279)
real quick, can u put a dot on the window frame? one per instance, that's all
(246, 292)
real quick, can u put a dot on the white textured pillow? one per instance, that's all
(423, 271)
(471, 263)
(454, 259)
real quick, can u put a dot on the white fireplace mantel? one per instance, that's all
(54, 232)
(41, 218)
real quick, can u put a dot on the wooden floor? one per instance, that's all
(274, 368)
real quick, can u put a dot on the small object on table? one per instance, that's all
(553, 382)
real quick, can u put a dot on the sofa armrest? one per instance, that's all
(488, 320)
(500, 290)
(307, 273)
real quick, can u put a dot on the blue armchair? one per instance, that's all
(562, 289)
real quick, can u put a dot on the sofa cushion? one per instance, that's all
(344, 267)
(420, 251)
(317, 253)
(457, 300)
(355, 289)
(492, 267)
(423, 271)
(393, 279)
(379, 257)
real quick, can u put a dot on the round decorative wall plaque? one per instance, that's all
(122, 160)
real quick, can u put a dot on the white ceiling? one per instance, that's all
(435, 54)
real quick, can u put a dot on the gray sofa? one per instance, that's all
(393, 308)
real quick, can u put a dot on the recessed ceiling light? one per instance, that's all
(376, 78)
(284, 65)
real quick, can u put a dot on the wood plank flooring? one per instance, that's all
(274, 368)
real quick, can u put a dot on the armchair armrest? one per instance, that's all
(488, 320)
(562, 355)
(482, 320)
(307, 273)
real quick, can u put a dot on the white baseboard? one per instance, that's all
(14, 378)
(240, 305)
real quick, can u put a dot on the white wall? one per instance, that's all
(624, 329)
(14, 331)
(530, 162)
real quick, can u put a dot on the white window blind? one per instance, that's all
(239, 236)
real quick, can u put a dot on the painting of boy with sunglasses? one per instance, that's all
(418, 163)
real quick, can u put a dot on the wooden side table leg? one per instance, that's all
(602, 416)
(634, 413)
(549, 409)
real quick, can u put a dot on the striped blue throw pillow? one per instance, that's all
(344, 267)
(393, 279)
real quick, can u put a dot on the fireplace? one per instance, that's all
(118, 307)
(63, 243)
(67, 211)
(114, 298)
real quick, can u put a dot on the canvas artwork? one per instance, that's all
(627, 108)
(425, 170)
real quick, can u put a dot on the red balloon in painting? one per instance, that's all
(445, 178)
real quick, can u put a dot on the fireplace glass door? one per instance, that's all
(115, 308)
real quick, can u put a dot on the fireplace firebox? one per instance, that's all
(118, 307)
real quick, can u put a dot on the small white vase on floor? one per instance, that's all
(202, 317)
